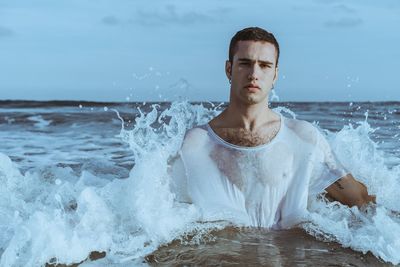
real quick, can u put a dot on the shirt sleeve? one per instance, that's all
(326, 168)
(178, 180)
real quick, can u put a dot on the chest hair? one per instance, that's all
(243, 137)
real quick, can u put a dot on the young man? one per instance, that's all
(251, 165)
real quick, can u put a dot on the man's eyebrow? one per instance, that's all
(261, 61)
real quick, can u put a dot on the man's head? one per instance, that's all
(253, 34)
(253, 65)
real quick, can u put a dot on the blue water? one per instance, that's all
(39, 133)
(57, 156)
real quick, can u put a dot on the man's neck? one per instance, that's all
(248, 117)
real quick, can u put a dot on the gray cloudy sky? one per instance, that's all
(337, 50)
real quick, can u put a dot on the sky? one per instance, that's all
(103, 50)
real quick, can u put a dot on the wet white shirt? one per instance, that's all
(266, 185)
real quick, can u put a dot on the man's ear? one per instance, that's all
(276, 75)
(228, 69)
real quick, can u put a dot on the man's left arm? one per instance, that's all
(350, 192)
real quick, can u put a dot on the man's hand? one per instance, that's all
(350, 192)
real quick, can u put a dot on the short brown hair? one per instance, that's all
(253, 34)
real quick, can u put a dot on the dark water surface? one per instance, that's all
(258, 247)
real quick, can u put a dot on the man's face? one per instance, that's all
(252, 72)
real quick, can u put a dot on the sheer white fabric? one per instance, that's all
(266, 186)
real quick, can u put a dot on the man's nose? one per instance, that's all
(253, 72)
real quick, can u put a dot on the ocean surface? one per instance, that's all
(78, 177)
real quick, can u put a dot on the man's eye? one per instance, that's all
(264, 66)
(244, 63)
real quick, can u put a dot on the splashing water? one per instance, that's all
(376, 228)
(61, 216)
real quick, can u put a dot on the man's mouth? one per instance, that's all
(252, 88)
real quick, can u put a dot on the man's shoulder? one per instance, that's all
(196, 136)
(196, 131)
(297, 124)
(303, 129)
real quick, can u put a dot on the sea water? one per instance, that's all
(78, 177)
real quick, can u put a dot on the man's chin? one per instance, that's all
(252, 99)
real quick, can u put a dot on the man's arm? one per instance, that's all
(350, 192)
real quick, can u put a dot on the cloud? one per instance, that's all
(169, 15)
(329, 2)
(165, 16)
(337, 8)
(388, 4)
(304, 8)
(344, 8)
(110, 20)
(5, 32)
(344, 23)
